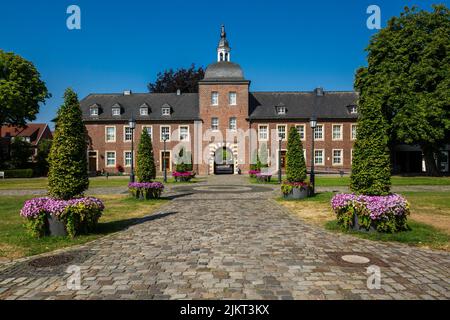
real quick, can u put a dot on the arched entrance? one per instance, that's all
(223, 161)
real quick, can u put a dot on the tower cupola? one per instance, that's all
(223, 50)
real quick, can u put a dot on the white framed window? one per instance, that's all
(110, 134)
(214, 98)
(281, 110)
(127, 158)
(353, 131)
(232, 124)
(165, 111)
(232, 98)
(215, 124)
(184, 133)
(116, 111)
(143, 111)
(127, 134)
(319, 156)
(301, 130)
(281, 131)
(338, 157)
(353, 109)
(318, 132)
(337, 132)
(263, 132)
(149, 130)
(304, 154)
(165, 133)
(110, 158)
(93, 111)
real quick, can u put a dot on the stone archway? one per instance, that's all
(231, 149)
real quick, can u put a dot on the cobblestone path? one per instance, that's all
(229, 240)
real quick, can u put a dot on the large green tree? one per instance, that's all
(408, 74)
(183, 79)
(295, 160)
(68, 172)
(21, 90)
(145, 162)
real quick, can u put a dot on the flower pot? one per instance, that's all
(56, 227)
(358, 227)
(297, 193)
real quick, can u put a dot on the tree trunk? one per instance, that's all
(430, 162)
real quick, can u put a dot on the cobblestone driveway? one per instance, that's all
(231, 243)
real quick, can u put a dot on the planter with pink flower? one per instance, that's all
(146, 190)
(183, 176)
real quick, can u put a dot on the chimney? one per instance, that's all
(178, 92)
(127, 93)
(319, 91)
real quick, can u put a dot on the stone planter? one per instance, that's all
(358, 227)
(56, 227)
(297, 193)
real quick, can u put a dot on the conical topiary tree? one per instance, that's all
(145, 162)
(371, 166)
(295, 160)
(68, 171)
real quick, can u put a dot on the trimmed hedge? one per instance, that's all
(18, 173)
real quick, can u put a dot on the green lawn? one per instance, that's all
(429, 221)
(120, 212)
(97, 182)
(337, 181)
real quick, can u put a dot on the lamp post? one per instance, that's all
(164, 159)
(132, 125)
(313, 124)
(279, 159)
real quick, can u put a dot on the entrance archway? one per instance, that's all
(223, 161)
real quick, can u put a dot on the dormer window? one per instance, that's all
(166, 111)
(353, 109)
(143, 110)
(116, 111)
(281, 109)
(93, 111)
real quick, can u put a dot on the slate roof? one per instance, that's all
(32, 130)
(302, 105)
(183, 107)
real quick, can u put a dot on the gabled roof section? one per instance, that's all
(183, 107)
(302, 105)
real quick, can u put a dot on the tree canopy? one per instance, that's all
(145, 168)
(183, 79)
(408, 74)
(295, 160)
(21, 90)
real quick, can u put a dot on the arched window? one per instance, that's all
(221, 56)
(226, 56)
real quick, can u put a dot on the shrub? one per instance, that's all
(295, 160)
(145, 168)
(384, 213)
(146, 190)
(21, 152)
(371, 166)
(43, 152)
(253, 173)
(119, 169)
(19, 173)
(68, 172)
(79, 215)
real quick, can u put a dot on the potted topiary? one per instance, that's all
(295, 186)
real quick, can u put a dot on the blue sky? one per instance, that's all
(281, 45)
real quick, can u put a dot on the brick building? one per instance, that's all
(223, 126)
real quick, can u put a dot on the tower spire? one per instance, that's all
(223, 50)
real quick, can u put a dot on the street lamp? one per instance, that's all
(313, 124)
(164, 158)
(279, 158)
(132, 125)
